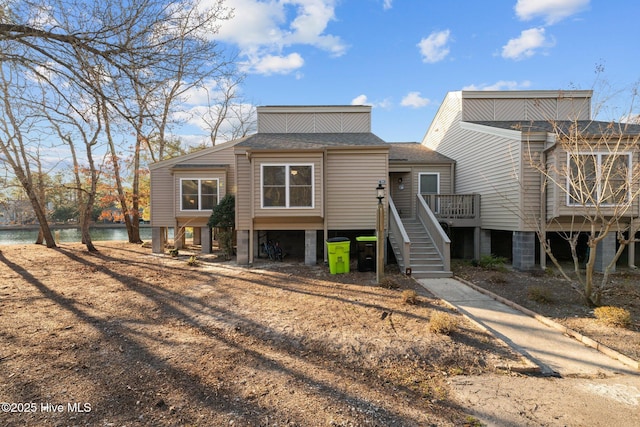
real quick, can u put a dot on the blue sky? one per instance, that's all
(403, 56)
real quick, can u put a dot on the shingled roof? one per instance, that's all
(310, 141)
(416, 153)
(585, 127)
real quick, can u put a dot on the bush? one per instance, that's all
(409, 296)
(613, 316)
(540, 294)
(492, 262)
(443, 323)
(388, 283)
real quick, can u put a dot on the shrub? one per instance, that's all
(540, 294)
(443, 323)
(174, 253)
(388, 283)
(193, 260)
(409, 296)
(492, 262)
(613, 316)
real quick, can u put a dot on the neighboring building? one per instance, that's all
(309, 173)
(491, 135)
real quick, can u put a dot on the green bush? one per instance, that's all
(492, 262)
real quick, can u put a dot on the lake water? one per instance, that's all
(14, 237)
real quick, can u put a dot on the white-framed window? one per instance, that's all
(287, 185)
(198, 194)
(598, 179)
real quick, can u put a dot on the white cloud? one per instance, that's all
(263, 30)
(525, 46)
(387, 4)
(434, 48)
(414, 100)
(274, 64)
(552, 11)
(500, 85)
(360, 100)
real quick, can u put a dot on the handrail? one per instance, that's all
(440, 239)
(397, 229)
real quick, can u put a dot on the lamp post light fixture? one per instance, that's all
(380, 232)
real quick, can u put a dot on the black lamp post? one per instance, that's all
(380, 232)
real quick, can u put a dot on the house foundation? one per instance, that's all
(310, 247)
(485, 242)
(524, 250)
(242, 251)
(158, 239)
(605, 252)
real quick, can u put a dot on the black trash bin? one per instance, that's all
(366, 253)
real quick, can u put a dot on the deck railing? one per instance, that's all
(451, 207)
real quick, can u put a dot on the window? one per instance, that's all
(287, 186)
(598, 178)
(198, 194)
(430, 184)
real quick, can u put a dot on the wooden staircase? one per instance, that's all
(425, 259)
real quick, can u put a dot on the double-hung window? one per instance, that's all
(198, 194)
(287, 185)
(598, 179)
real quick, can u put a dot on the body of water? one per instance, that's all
(10, 236)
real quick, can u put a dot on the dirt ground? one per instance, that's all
(126, 337)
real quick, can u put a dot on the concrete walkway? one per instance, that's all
(553, 352)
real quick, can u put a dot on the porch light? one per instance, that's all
(400, 184)
(380, 191)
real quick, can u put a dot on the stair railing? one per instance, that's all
(400, 234)
(440, 239)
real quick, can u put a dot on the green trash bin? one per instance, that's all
(366, 253)
(338, 248)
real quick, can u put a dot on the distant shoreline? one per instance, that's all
(65, 226)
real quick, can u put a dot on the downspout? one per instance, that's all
(252, 204)
(324, 204)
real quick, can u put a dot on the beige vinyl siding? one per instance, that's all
(165, 180)
(531, 186)
(561, 208)
(347, 119)
(352, 177)
(544, 105)
(243, 194)
(216, 174)
(162, 196)
(405, 200)
(305, 158)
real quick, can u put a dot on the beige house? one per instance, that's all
(309, 173)
(492, 135)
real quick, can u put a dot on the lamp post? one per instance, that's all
(380, 232)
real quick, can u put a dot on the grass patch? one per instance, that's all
(613, 316)
(443, 323)
(409, 296)
(540, 294)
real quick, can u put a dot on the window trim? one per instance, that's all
(217, 180)
(599, 154)
(287, 167)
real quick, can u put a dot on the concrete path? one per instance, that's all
(555, 353)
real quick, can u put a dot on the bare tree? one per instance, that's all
(593, 170)
(17, 149)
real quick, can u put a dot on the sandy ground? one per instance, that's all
(125, 337)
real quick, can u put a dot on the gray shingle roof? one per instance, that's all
(416, 153)
(585, 127)
(310, 141)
